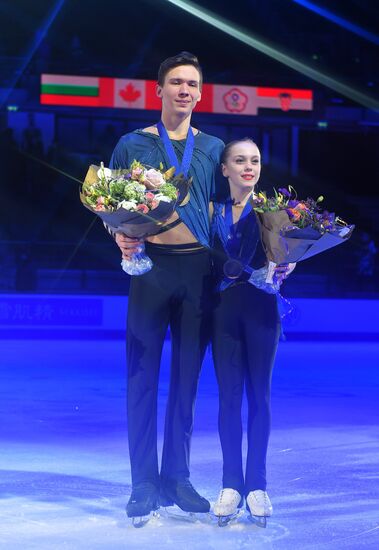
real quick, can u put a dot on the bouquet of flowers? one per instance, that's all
(135, 201)
(293, 230)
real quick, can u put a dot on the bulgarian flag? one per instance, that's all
(86, 91)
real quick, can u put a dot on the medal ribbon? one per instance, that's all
(235, 234)
(239, 248)
(182, 168)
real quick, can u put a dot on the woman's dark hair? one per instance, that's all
(229, 145)
(182, 58)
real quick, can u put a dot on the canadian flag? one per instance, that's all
(129, 94)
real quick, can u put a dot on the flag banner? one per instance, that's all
(129, 94)
(286, 99)
(236, 100)
(124, 93)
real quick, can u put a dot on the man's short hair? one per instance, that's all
(182, 58)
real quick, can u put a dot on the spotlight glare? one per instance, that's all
(340, 21)
(249, 39)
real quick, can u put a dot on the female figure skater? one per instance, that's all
(245, 337)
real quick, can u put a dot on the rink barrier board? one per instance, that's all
(104, 317)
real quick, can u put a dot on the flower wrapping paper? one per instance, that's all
(283, 245)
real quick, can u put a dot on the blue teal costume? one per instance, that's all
(177, 293)
(246, 329)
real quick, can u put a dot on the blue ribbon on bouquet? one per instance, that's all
(184, 166)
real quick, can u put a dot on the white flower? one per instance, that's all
(104, 173)
(128, 205)
(139, 187)
(154, 177)
(162, 197)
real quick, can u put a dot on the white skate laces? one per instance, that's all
(259, 503)
(227, 502)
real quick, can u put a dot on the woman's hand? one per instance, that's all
(283, 271)
(128, 245)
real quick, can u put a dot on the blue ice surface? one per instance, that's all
(65, 474)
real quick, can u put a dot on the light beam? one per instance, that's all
(38, 38)
(253, 41)
(341, 21)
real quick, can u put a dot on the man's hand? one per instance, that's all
(283, 271)
(128, 245)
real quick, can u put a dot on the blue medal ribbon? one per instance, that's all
(184, 167)
(239, 241)
(234, 234)
(238, 263)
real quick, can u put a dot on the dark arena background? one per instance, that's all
(302, 79)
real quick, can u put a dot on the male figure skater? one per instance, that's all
(176, 292)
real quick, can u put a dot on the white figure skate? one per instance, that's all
(227, 508)
(259, 506)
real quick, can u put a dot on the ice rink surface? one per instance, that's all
(65, 475)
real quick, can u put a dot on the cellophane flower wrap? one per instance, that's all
(293, 230)
(135, 201)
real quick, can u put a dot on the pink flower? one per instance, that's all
(302, 206)
(136, 172)
(153, 178)
(154, 204)
(149, 196)
(100, 202)
(142, 208)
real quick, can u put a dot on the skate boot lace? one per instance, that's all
(261, 499)
(185, 488)
(227, 493)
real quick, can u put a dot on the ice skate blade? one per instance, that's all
(223, 521)
(141, 521)
(260, 521)
(177, 513)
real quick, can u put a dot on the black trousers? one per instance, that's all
(177, 292)
(246, 331)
